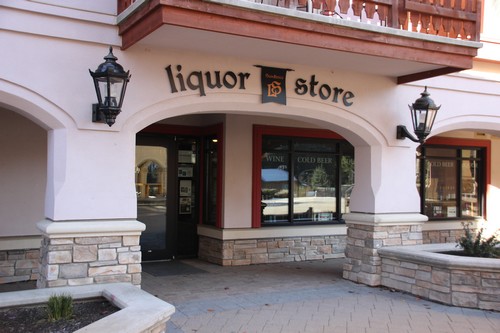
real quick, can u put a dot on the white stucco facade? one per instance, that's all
(59, 167)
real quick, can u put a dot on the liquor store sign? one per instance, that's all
(273, 84)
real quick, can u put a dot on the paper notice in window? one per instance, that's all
(452, 211)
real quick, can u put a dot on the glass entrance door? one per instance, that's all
(166, 176)
(151, 189)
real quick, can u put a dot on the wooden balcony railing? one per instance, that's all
(458, 19)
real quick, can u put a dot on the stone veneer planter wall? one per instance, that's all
(140, 312)
(442, 236)
(455, 280)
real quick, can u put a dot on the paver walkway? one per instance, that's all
(298, 297)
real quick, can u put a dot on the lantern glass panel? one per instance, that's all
(420, 120)
(110, 91)
(431, 115)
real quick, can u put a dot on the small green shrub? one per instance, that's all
(475, 245)
(60, 307)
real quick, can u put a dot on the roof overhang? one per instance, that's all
(273, 34)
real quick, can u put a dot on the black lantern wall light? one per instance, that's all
(423, 113)
(110, 81)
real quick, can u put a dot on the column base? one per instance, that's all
(366, 233)
(87, 252)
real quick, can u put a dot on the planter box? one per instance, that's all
(140, 311)
(455, 280)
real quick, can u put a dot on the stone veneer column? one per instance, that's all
(87, 252)
(366, 233)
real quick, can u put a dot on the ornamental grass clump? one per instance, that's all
(475, 245)
(60, 307)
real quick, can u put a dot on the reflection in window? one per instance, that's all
(275, 180)
(449, 180)
(305, 180)
(150, 183)
(150, 172)
(314, 194)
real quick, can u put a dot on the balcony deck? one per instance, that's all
(405, 39)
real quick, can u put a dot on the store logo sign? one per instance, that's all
(274, 89)
(273, 83)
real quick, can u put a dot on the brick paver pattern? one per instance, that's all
(301, 297)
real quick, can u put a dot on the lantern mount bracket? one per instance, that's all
(97, 115)
(402, 133)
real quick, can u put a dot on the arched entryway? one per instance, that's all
(225, 237)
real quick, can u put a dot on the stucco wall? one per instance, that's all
(96, 181)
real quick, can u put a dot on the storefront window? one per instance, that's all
(449, 180)
(305, 180)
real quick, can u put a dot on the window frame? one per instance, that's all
(462, 143)
(259, 131)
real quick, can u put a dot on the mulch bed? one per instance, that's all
(33, 319)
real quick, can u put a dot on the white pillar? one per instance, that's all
(385, 180)
(90, 234)
(90, 175)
